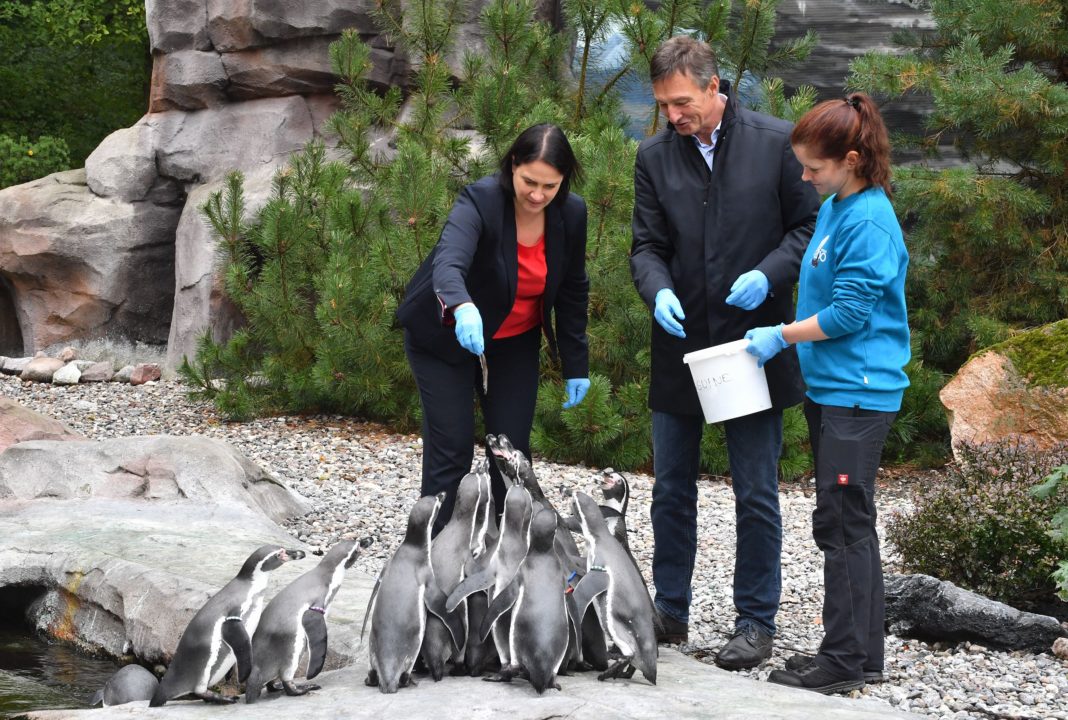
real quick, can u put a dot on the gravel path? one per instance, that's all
(363, 479)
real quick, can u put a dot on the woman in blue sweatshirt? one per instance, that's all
(853, 344)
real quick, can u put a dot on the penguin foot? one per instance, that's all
(274, 686)
(505, 675)
(618, 670)
(215, 698)
(294, 690)
(406, 680)
(372, 678)
(458, 670)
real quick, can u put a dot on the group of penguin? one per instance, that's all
(233, 626)
(549, 609)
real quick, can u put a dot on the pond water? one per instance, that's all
(38, 675)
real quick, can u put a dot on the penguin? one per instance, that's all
(295, 619)
(622, 599)
(514, 464)
(544, 621)
(616, 491)
(502, 562)
(129, 684)
(462, 538)
(221, 630)
(405, 591)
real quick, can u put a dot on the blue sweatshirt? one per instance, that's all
(853, 280)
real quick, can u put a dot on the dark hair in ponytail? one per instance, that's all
(834, 127)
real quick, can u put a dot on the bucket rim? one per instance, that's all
(730, 348)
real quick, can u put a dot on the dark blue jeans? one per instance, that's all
(754, 443)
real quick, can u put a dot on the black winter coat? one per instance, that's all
(696, 231)
(476, 260)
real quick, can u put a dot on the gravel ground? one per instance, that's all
(363, 479)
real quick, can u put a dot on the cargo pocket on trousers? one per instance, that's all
(849, 452)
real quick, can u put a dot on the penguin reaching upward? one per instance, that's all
(222, 630)
(622, 600)
(544, 621)
(502, 562)
(462, 538)
(295, 619)
(405, 592)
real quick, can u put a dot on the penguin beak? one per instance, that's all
(287, 555)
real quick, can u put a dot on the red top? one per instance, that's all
(526, 311)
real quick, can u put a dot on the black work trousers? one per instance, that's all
(447, 392)
(847, 444)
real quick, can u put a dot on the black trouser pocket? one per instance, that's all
(847, 460)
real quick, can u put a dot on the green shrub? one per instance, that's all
(982, 528)
(22, 160)
(1058, 531)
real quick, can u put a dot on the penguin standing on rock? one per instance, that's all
(295, 619)
(544, 619)
(613, 581)
(405, 591)
(222, 630)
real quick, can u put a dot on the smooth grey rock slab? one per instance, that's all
(148, 469)
(120, 576)
(19, 424)
(926, 608)
(687, 690)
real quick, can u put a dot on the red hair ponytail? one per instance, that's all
(834, 127)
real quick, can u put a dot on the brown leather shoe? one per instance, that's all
(670, 631)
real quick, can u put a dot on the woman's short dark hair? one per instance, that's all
(545, 142)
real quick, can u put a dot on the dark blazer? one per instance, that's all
(475, 260)
(696, 231)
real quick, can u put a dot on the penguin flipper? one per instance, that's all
(590, 586)
(434, 600)
(501, 604)
(481, 580)
(370, 605)
(574, 621)
(235, 635)
(314, 622)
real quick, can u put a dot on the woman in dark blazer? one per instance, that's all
(511, 255)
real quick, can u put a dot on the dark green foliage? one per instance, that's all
(22, 160)
(981, 527)
(1058, 532)
(72, 70)
(989, 241)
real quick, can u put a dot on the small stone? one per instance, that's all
(124, 373)
(41, 369)
(69, 374)
(98, 372)
(67, 354)
(145, 372)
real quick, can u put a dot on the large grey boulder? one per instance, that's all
(188, 80)
(200, 303)
(926, 608)
(82, 266)
(152, 468)
(177, 25)
(119, 543)
(19, 424)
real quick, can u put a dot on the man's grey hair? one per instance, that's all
(685, 55)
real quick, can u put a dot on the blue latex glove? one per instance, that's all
(576, 391)
(765, 343)
(749, 290)
(469, 328)
(667, 309)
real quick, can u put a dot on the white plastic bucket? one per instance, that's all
(729, 383)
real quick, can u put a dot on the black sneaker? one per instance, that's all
(816, 679)
(670, 631)
(800, 663)
(748, 647)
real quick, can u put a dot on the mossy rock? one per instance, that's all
(1040, 356)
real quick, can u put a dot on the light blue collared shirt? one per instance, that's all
(708, 151)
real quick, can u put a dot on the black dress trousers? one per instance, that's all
(448, 392)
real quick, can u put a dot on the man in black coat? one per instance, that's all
(721, 220)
